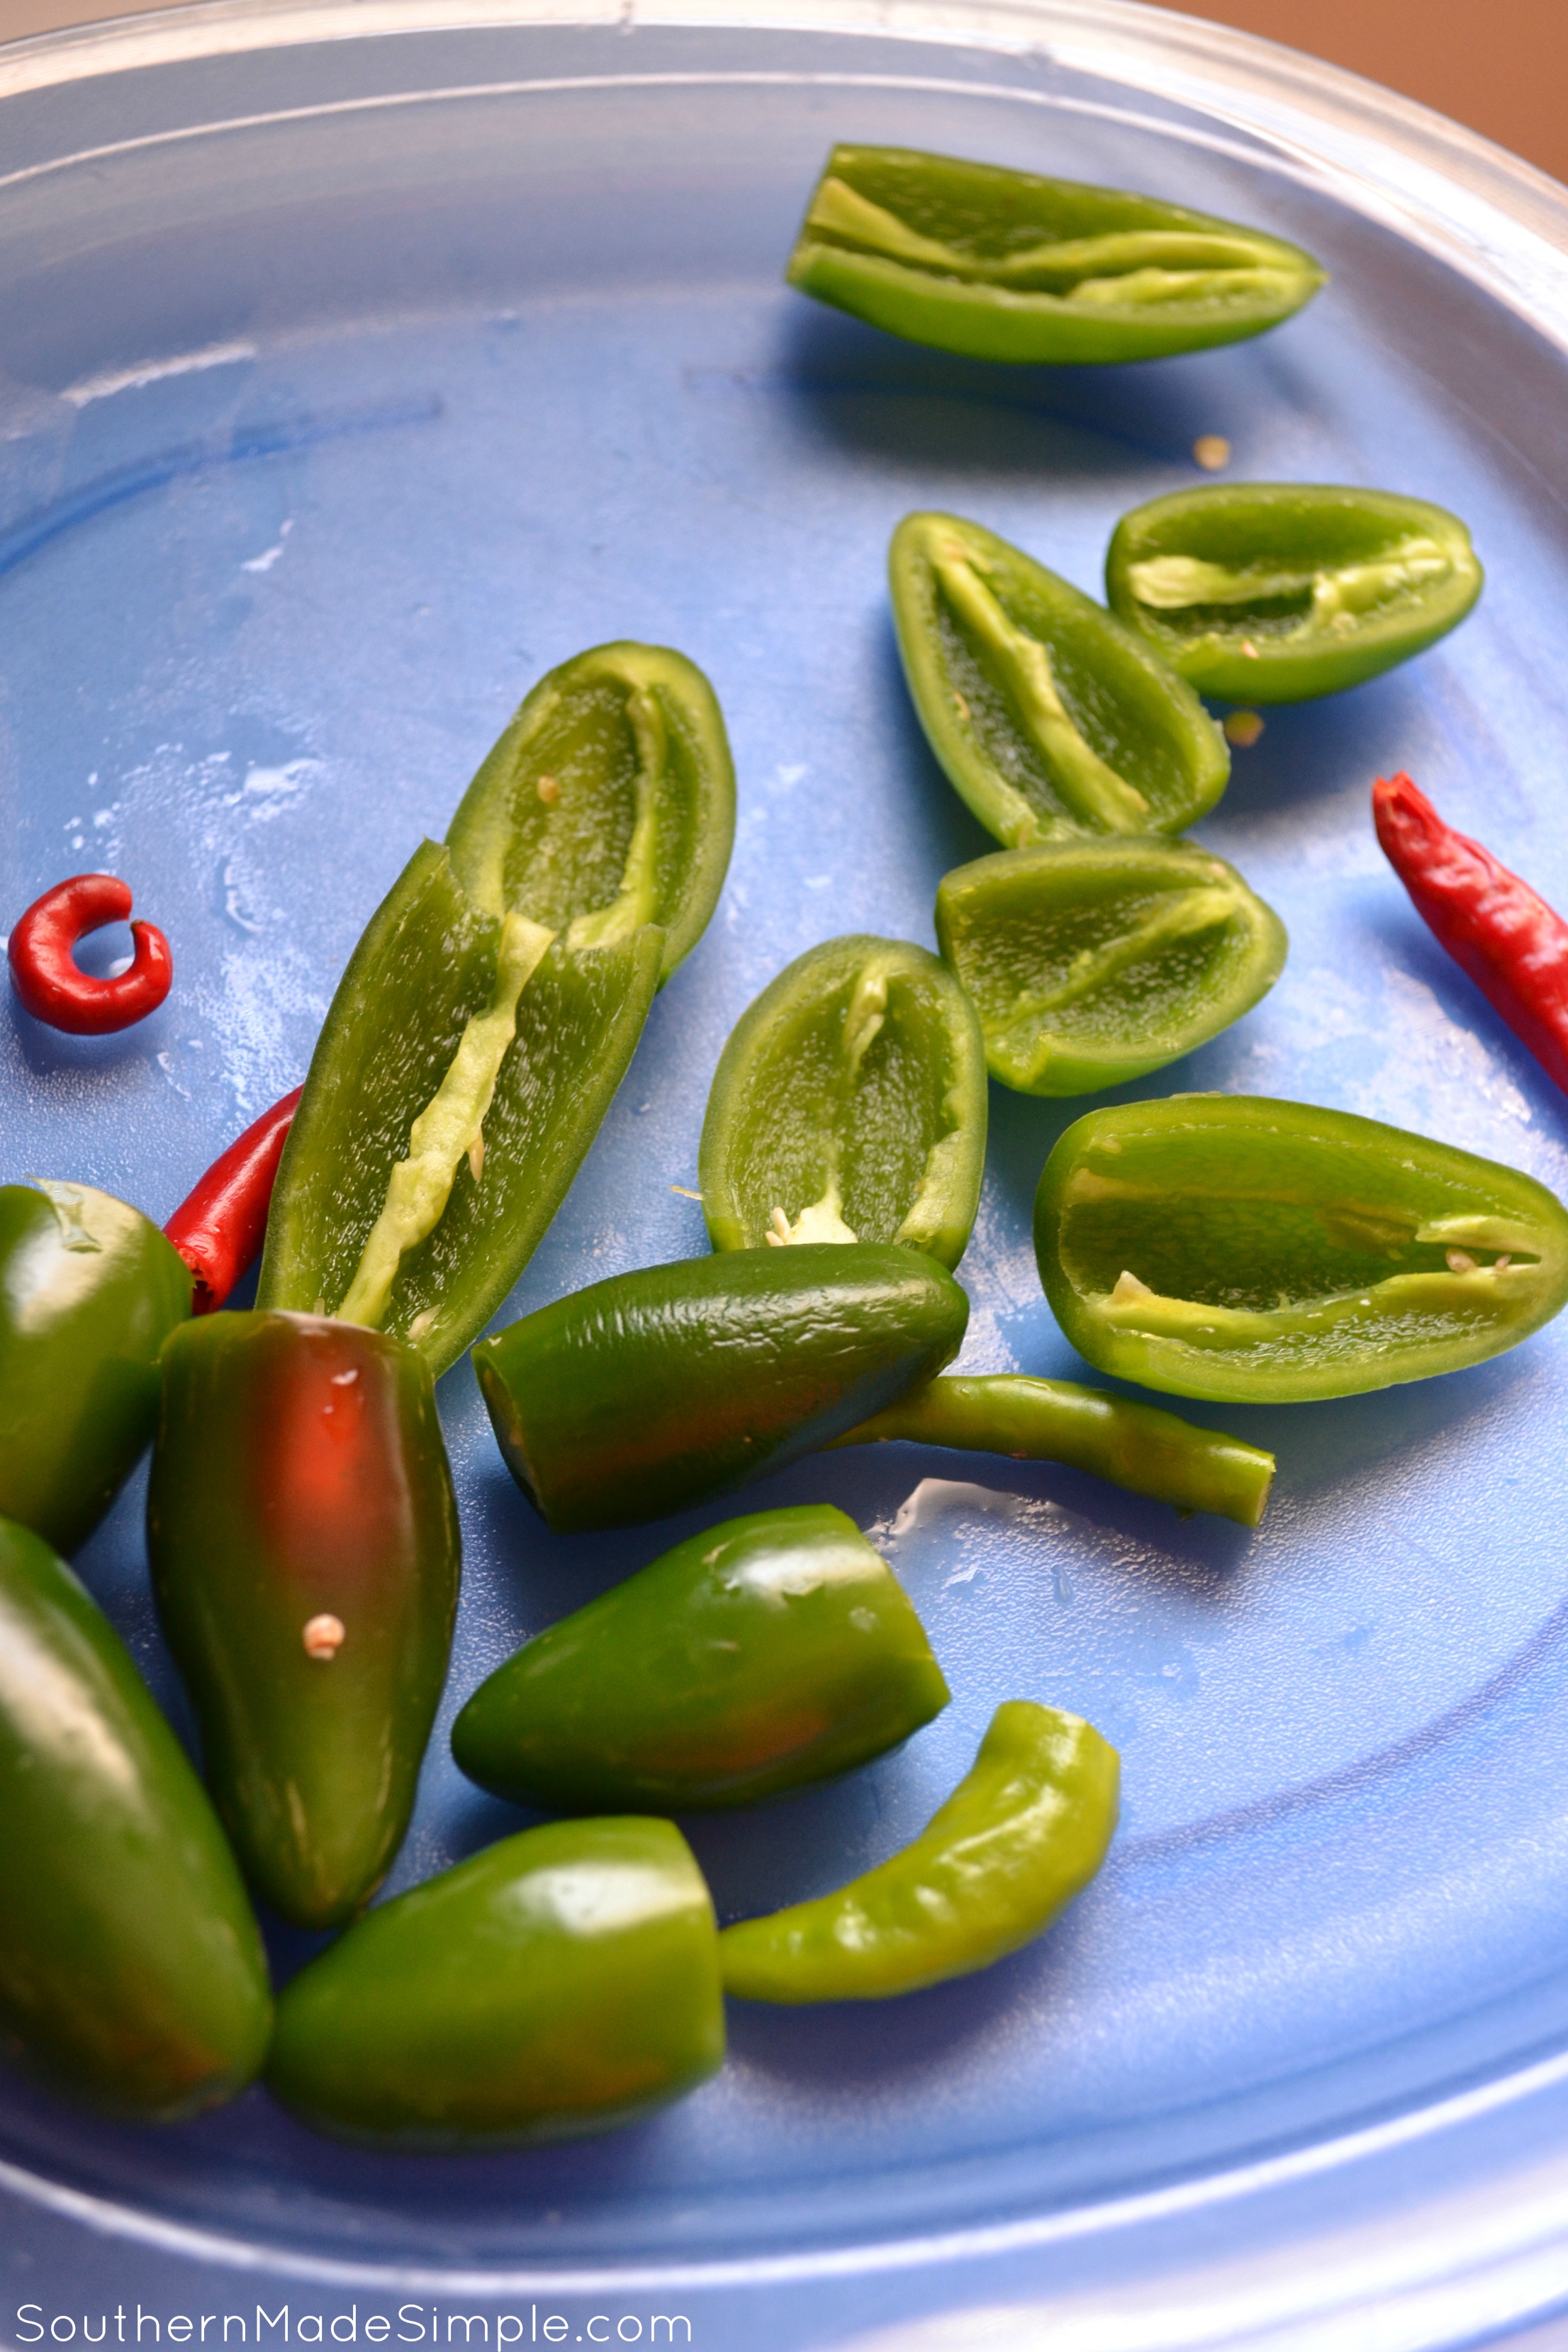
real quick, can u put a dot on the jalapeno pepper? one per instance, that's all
(305, 1556)
(1049, 716)
(90, 1290)
(563, 1982)
(1022, 1834)
(849, 1105)
(1274, 591)
(490, 1009)
(1005, 266)
(754, 1658)
(673, 1384)
(1134, 1445)
(1092, 962)
(1229, 1246)
(132, 1973)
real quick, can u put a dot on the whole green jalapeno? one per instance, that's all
(89, 1291)
(1004, 265)
(1274, 591)
(1048, 715)
(1134, 1445)
(754, 1658)
(1229, 1247)
(490, 1009)
(849, 1105)
(132, 1973)
(563, 1982)
(676, 1383)
(1095, 962)
(304, 1545)
(1022, 1834)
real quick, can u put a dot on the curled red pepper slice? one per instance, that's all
(1512, 944)
(52, 985)
(218, 1229)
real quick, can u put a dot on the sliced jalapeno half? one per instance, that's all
(1275, 591)
(1004, 265)
(1229, 1246)
(488, 1013)
(849, 1105)
(1023, 1833)
(1094, 962)
(1048, 715)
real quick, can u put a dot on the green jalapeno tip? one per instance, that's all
(849, 1105)
(1023, 1833)
(1094, 962)
(1277, 591)
(1135, 1446)
(90, 1290)
(1261, 1252)
(1049, 716)
(672, 1384)
(562, 1982)
(756, 1657)
(1004, 265)
(131, 1972)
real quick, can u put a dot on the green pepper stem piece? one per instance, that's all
(1023, 1833)
(564, 1980)
(1093, 791)
(450, 1127)
(1138, 1446)
(757, 1657)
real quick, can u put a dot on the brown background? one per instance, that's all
(1501, 66)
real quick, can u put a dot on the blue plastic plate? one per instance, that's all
(358, 364)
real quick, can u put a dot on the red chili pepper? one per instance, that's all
(1512, 944)
(52, 985)
(218, 1230)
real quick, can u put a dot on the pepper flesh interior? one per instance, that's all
(1284, 598)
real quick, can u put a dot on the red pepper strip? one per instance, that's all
(1512, 944)
(218, 1230)
(52, 985)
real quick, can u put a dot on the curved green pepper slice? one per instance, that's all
(1004, 265)
(1095, 962)
(132, 1973)
(1229, 1247)
(1049, 716)
(756, 1657)
(89, 1291)
(675, 1383)
(849, 1105)
(563, 1982)
(1275, 591)
(490, 1011)
(1134, 1445)
(1022, 1833)
(305, 1558)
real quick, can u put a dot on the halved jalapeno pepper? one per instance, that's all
(1048, 715)
(754, 1658)
(849, 1105)
(490, 1011)
(1275, 591)
(1094, 962)
(1004, 265)
(1023, 1833)
(1229, 1247)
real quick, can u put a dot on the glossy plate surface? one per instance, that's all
(356, 366)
